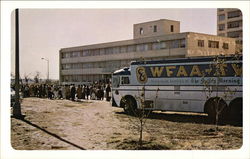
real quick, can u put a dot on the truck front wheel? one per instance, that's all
(129, 105)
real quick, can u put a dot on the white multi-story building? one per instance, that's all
(154, 40)
(229, 23)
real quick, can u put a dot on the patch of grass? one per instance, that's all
(69, 105)
(147, 145)
(57, 147)
(76, 124)
(117, 133)
(114, 141)
(73, 105)
(46, 111)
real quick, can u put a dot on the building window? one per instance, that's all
(172, 28)
(182, 43)
(66, 66)
(220, 10)
(163, 45)
(221, 17)
(175, 44)
(66, 78)
(234, 14)
(123, 49)
(131, 48)
(234, 24)
(75, 66)
(75, 54)
(91, 52)
(201, 43)
(141, 31)
(225, 46)
(116, 50)
(102, 51)
(155, 28)
(141, 47)
(221, 27)
(221, 34)
(213, 44)
(85, 53)
(108, 51)
(234, 34)
(95, 52)
(156, 46)
(67, 55)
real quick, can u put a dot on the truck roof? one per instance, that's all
(186, 60)
(124, 71)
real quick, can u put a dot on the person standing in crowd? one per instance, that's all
(67, 92)
(60, 94)
(73, 92)
(49, 92)
(83, 91)
(26, 91)
(92, 92)
(63, 91)
(40, 91)
(79, 92)
(102, 92)
(87, 92)
(36, 91)
(55, 91)
(108, 90)
(44, 91)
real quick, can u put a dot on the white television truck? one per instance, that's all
(186, 85)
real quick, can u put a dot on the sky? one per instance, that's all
(43, 32)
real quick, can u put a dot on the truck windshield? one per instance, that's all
(115, 81)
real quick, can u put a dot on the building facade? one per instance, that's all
(229, 23)
(155, 40)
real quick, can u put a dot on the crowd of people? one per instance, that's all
(95, 91)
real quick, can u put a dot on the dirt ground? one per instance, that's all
(95, 125)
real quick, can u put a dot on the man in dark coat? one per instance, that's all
(73, 92)
(87, 92)
(108, 90)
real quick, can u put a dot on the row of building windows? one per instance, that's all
(141, 31)
(179, 43)
(212, 44)
(232, 14)
(234, 24)
(234, 34)
(103, 64)
(220, 10)
(81, 78)
(109, 65)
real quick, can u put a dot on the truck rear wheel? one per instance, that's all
(214, 106)
(236, 111)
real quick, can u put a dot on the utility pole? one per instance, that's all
(17, 107)
(47, 67)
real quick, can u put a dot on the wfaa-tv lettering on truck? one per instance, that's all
(187, 84)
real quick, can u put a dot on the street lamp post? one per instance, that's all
(17, 107)
(47, 67)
